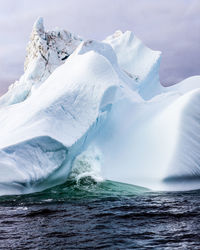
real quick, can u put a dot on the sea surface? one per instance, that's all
(106, 215)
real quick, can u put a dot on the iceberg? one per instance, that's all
(90, 108)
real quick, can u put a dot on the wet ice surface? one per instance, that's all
(85, 219)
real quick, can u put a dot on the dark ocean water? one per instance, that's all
(106, 215)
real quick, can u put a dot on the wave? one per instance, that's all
(71, 191)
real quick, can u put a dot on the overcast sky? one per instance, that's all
(172, 26)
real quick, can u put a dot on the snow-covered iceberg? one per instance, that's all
(84, 107)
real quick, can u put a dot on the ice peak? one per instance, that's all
(49, 47)
(39, 25)
(45, 51)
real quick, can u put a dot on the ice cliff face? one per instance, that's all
(102, 110)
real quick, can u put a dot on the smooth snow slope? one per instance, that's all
(102, 109)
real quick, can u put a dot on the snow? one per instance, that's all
(100, 112)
